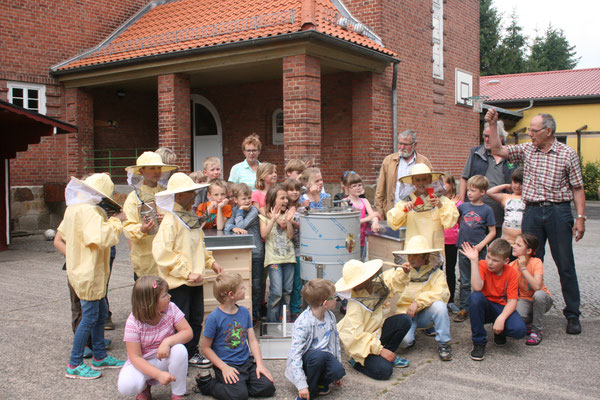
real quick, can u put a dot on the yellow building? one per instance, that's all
(572, 97)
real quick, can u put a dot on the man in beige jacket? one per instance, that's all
(389, 190)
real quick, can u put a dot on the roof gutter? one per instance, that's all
(288, 37)
(538, 99)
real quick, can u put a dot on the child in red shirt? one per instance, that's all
(217, 210)
(495, 290)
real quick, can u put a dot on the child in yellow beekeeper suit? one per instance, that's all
(88, 235)
(424, 213)
(181, 255)
(368, 336)
(142, 214)
(423, 293)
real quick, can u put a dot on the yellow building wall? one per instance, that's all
(568, 118)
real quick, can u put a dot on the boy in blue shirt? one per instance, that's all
(227, 340)
(315, 355)
(478, 228)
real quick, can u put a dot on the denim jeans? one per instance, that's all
(555, 224)
(93, 316)
(281, 277)
(296, 300)
(436, 314)
(484, 312)
(248, 384)
(258, 264)
(321, 368)
(393, 331)
(464, 265)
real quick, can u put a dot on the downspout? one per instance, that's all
(394, 107)
(528, 107)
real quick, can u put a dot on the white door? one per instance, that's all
(206, 130)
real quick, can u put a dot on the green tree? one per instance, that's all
(552, 52)
(489, 38)
(512, 59)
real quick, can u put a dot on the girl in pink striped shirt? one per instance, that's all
(154, 335)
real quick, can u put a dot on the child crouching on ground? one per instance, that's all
(369, 336)
(227, 340)
(154, 335)
(534, 298)
(495, 288)
(315, 356)
(422, 293)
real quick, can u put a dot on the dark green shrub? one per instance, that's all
(591, 179)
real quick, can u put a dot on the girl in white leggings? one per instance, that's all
(154, 335)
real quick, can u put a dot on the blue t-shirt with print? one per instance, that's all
(474, 222)
(229, 333)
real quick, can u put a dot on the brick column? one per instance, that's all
(80, 112)
(174, 128)
(302, 107)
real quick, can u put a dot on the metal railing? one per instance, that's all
(114, 161)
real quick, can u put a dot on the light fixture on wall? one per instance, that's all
(121, 93)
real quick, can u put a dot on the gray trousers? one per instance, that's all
(533, 312)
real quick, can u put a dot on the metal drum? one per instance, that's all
(328, 238)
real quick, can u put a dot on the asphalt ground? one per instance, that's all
(36, 339)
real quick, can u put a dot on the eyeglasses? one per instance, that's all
(251, 150)
(331, 298)
(536, 130)
(400, 144)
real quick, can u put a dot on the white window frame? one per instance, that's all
(41, 89)
(437, 38)
(277, 136)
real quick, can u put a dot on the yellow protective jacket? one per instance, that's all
(88, 235)
(179, 251)
(430, 224)
(360, 329)
(141, 243)
(424, 286)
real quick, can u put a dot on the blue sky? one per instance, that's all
(577, 18)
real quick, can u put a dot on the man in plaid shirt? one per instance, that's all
(551, 179)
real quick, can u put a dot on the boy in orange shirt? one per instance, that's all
(495, 290)
(217, 210)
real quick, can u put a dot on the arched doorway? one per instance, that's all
(207, 131)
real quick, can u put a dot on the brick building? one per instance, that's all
(309, 76)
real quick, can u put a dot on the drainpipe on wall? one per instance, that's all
(394, 108)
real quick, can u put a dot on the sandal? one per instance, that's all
(535, 338)
(144, 394)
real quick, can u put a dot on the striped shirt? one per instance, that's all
(151, 336)
(549, 176)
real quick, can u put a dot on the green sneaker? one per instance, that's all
(108, 362)
(82, 372)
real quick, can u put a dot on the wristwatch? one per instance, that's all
(582, 216)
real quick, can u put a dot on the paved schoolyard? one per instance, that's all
(35, 341)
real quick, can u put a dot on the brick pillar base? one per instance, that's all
(302, 107)
(174, 128)
(80, 112)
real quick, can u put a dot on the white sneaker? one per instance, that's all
(198, 360)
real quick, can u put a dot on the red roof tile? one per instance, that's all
(191, 24)
(537, 85)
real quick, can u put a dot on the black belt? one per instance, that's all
(545, 203)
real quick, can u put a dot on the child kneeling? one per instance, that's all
(227, 340)
(155, 333)
(422, 293)
(315, 356)
(494, 298)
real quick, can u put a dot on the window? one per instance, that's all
(27, 95)
(278, 127)
(437, 39)
(464, 88)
